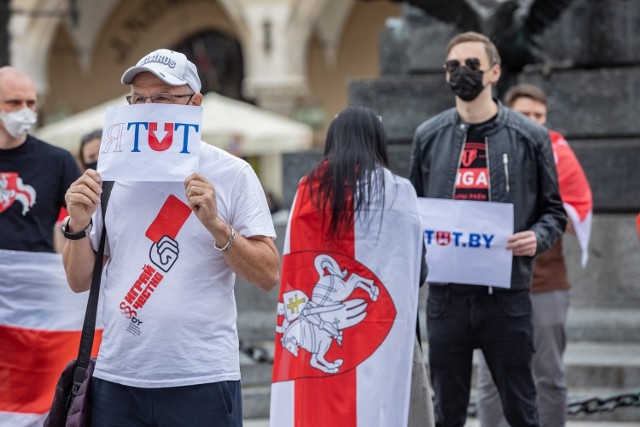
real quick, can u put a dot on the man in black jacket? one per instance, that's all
(482, 151)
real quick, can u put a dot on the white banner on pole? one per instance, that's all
(150, 142)
(466, 241)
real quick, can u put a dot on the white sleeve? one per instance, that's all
(250, 215)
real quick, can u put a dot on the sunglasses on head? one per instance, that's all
(452, 65)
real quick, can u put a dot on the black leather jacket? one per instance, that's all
(521, 171)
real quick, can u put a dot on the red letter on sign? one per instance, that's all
(166, 140)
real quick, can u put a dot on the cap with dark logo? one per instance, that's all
(171, 67)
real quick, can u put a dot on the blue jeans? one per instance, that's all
(212, 405)
(461, 318)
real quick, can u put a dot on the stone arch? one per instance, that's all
(219, 59)
(32, 36)
(121, 40)
(330, 27)
(344, 45)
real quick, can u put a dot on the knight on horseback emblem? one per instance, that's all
(314, 323)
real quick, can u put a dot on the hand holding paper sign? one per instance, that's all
(201, 195)
(202, 199)
(82, 198)
(523, 243)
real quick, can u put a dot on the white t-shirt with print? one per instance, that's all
(169, 309)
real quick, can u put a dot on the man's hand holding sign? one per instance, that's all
(523, 243)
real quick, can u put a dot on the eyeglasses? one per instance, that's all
(452, 65)
(158, 98)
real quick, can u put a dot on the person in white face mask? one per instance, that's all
(34, 175)
(18, 109)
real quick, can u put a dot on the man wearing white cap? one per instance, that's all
(180, 367)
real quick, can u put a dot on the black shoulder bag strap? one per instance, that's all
(90, 315)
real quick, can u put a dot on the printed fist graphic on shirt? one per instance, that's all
(164, 253)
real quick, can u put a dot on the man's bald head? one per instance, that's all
(9, 74)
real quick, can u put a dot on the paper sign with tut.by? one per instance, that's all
(150, 142)
(466, 241)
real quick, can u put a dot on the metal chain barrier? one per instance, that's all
(588, 405)
(591, 405)
(256, 353)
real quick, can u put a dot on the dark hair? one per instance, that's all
(85, 139)
(349, 173)
(471, 36)
(524, 90)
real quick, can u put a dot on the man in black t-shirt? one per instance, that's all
(482, 151)
(34, 176)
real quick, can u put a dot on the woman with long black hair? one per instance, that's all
(347, 310)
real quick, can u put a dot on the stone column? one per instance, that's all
(278, 34)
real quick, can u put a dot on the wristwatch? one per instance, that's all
(75, 236)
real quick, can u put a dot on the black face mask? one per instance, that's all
(93, 165)
(466, 83)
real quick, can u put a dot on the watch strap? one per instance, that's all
(75, 236)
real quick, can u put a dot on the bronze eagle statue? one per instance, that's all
(513, 25)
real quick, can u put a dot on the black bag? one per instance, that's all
(71, 405)
(79, 413)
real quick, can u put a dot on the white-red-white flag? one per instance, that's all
(575, 191)
(347, 315)
(40, 324)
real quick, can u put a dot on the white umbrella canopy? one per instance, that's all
(258, 131)
(250, 129)
(67, 132)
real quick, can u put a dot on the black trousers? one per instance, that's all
(461, 318)
(211, 405)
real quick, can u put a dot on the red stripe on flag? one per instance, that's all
(31, 363)
(572, 181)
(326, 401)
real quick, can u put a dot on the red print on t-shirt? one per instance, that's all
(472, 178)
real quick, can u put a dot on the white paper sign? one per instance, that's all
(466, 241)
(150, 142)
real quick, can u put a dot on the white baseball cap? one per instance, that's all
(171, 67)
